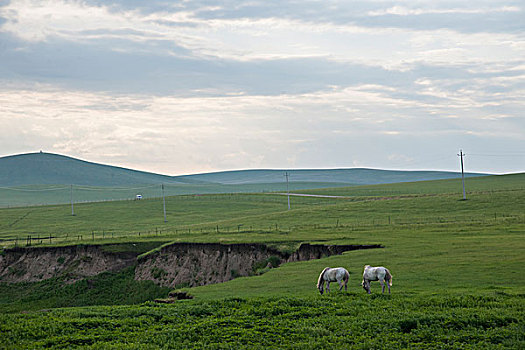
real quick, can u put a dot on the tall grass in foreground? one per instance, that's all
(340, 320)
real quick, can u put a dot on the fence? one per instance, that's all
(36, 239)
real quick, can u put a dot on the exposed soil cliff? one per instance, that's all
(72, 262)
(193, 264)
(178, 264)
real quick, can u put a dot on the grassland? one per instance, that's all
(493, 201)
(473, 185)
(341, 321)
(41, 195)
(458, 272)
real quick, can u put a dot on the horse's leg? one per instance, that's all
(382, 285)
(341, 283)
(328, 286)
(368, 287)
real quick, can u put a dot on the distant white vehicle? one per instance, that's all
(138, 197)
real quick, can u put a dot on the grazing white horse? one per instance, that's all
(380, 274)
(336, 274)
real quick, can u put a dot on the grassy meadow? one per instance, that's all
(458, 271)
(41, 195)
(341, 321)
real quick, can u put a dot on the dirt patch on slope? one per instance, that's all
(175, 265)
(198, 264)
(72, 262)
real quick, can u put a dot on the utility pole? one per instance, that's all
(461, 155)
(72, 208)
(287, 189)
(164, 203)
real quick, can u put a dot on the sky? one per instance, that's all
(183, 87)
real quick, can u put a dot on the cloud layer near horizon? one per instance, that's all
(204, 86)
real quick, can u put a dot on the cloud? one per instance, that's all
(190, 134)
(208, 85)
(407, 11)
(183, 32)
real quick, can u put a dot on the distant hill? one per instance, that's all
(49, 168)
(343, 177)
(54, 169)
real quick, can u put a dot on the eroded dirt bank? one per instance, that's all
(192, 264)
(72, 262)
(178, 264)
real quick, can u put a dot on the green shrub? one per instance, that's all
(265, 265)
(158, 273)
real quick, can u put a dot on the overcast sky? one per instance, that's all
(180, 87)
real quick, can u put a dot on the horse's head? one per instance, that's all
(365, 286)
(320, 281)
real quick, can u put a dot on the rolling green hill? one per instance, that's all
(45, 178)
(346, 177)
(53, 169)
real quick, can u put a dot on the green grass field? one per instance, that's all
(457, 265)
(341, 321)
(38, 195)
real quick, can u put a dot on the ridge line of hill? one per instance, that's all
(43, 168)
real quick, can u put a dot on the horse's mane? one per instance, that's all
(319, 281)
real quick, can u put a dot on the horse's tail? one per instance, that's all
(389, 277)
(320, 280)
(347, 276)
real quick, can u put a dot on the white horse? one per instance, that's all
(336, 274)
(380, 274)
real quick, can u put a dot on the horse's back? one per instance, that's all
(336, 273)
(374, 273)
(342, 272)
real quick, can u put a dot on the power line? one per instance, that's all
(27, 190)
(413, 162)
(72, 208)
(461, 155)
(93, 188)
(163, 203)
(498, 155)
(78, 187)
(287, 189)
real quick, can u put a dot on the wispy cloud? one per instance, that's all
(207, 85)
(267, 38)
(208, 130)
(408, 11)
